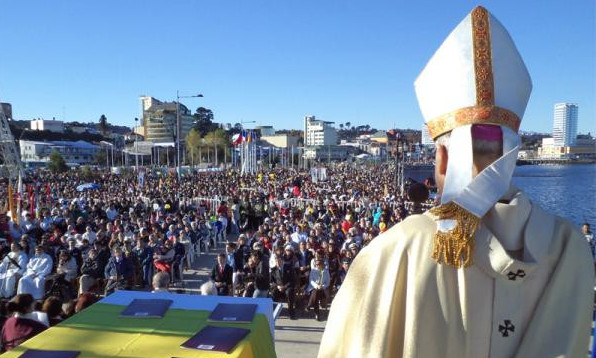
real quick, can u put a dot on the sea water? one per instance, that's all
(566, 190)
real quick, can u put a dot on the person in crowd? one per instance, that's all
(163, 258)
(179, 255)
(75, 252)
(208, 289)
(304, 259)
(12, 268)
(318, 286)
(85, 300)
(118, 271)
(67, 266)
(38, 267)
(69, 308)
(161, 282)
(90, 272)
(283, 278)
(144, 255)
(221, 275)
(89, 234)
(52, 306)
(20, 325)
(61, 283)
(261, 274)
(343, 272)
(235, 259)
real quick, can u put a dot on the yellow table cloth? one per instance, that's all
(99, 332)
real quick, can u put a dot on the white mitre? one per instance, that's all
(476, 76)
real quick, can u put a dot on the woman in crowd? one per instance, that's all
(20, 325)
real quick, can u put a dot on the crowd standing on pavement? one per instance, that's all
(294, 233)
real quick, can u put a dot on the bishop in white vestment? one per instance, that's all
(487, 273)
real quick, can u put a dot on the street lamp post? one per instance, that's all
(178, 131)
(136, 147)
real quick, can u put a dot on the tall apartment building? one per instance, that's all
(425, 138)
(318, 132)
(159, 120)
(565, 124)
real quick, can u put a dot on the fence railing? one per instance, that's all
(213, 202)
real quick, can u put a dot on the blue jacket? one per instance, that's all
(122, 269)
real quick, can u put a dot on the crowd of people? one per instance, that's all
(296, 235)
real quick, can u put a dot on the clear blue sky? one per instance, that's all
(274, 61)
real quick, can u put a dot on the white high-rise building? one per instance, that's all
(318, 132)
(426, 139)
(565, 124)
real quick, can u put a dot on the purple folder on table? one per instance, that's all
(146, 308)
(218, 339)
(38, 353)
(233, 313)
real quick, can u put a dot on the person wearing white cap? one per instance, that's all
(487, 273)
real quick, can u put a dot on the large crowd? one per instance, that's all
(294, 234)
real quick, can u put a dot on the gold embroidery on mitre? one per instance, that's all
(484, 112)
(483, 68)
(455, 247)
(472, 115)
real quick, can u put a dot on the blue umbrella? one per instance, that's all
(87, 186)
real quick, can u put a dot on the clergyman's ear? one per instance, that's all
(442, 157)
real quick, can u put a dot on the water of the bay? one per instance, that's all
(566, 190)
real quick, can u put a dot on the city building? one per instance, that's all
(265, 130)
(38, 153)
(426, 140)
(6, 109)
(584, 148)
(159, 120)
(329, 152)
(82, 129)
(374, 144)
(281, 140)
(565, 124)
(318, 132)
(47, 125)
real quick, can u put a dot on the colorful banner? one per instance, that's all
(11, 207)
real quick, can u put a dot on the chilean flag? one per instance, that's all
(237, 139)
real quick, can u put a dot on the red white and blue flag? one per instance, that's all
(237, 139)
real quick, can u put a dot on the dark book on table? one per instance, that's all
(146, 308)
(218, 339)
(233, 313)
(38, 353)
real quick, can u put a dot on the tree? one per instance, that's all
(193, 142)
(86, 173)
(100, 158)
(218, 140)
(204, 120)
(57, 163)
(348, 124)
(341, 126)
(103, 124)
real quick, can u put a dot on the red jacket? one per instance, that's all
(17, 330)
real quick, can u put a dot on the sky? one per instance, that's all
(275, 61)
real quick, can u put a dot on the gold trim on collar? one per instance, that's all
(472, 115)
